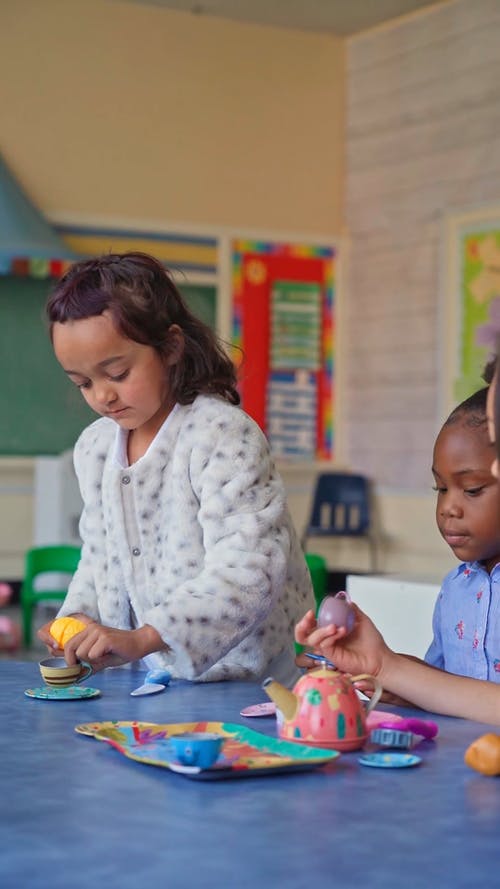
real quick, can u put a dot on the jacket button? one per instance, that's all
(126, 480)
(136, 551)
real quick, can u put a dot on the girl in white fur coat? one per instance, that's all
(189, 557)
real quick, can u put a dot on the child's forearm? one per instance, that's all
(441, 692)
(149, 640)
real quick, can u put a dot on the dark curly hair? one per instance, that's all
(143, 301)
(472, 411)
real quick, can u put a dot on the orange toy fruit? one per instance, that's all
(483, 754)
(64, 628)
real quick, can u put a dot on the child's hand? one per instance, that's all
(361, 651)
(321, 640)
(302, 660)
(103, 646)
(44, 633)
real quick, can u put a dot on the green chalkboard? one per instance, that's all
(41, 412)
(202, 300)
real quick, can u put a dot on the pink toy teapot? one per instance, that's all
(323, 710)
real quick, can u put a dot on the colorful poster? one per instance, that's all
(283, 320)
(480, 284)
(296, 325)
(292, 414)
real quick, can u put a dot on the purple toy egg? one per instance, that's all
(336, 610)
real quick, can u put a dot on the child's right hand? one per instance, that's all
(44, 633)
(361, 651)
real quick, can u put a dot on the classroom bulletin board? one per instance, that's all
(282, 299)
(473, 282)
(283, 330)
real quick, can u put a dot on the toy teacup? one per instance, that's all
(196, 748)
(56, 673)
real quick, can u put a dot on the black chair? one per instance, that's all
(342, 508)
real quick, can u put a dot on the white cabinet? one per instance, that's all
(57, 501)
(400, 607)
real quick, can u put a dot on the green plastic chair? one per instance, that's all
(319, 576)
(44, 560)
(318, 570)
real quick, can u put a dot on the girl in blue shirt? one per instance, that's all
(466, 621)
(364, 650)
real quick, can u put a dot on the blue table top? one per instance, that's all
(76, 813)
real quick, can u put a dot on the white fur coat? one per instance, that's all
(194, 539)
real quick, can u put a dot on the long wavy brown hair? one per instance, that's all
(144, 302)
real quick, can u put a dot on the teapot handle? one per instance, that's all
(377, 689)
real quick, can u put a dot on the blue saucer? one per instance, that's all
(389, 760)
(67, 693)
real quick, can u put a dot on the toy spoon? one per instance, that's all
(321, 659)
(155, 681)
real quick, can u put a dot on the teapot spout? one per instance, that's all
(285, 700)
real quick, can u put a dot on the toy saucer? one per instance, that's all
(67, 693)
(267, 708)
(389, 760)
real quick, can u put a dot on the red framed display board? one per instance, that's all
(283, 323)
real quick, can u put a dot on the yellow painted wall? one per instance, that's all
(133, 111)
(116, 110)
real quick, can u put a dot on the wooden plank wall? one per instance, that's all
(423, 141)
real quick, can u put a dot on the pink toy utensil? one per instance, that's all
(424, 727)
(267, 708)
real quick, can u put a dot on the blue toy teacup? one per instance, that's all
(199, 749)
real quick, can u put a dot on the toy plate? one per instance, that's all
(389, 760)
(67, 693)
(245, 753)
(92, 728)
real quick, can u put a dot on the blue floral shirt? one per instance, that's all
(466, 623)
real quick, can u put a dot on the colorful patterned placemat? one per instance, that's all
(245, 753)
(68, 693)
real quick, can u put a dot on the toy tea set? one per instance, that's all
(324, 710)
(320, 717)
(62, 681)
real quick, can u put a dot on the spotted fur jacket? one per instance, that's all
(194, 539)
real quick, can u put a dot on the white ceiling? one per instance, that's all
(340, 17)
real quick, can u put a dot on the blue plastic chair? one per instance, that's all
(342, 508)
